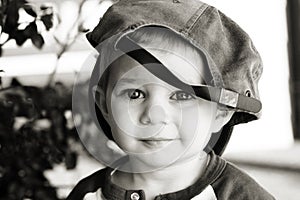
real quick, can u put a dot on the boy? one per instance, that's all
(175, 76)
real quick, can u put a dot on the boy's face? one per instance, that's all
(153, 121)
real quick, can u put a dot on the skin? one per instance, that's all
(162, 128)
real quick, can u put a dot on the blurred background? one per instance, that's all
(42, 48)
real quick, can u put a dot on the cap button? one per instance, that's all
(135, 196)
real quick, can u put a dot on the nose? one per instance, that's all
(155, 113)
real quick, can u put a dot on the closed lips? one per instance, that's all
(158, 139)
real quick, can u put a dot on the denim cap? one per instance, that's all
(233, 60)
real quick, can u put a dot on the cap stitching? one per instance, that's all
(191, 22)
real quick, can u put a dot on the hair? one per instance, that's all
(152, 38)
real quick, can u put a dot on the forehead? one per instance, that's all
(187, 64)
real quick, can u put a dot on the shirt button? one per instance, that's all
(135, 196)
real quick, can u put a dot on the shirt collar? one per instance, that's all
(213, 171)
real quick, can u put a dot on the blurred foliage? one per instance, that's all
(34, 136)
(35, 132)
(10, 22)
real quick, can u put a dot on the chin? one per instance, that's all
(153, 161)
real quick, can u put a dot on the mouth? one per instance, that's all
(157, 142)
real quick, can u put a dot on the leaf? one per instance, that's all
(15, 82)
(47, 21)
(31, 29)
(43, 7)
(11, 20)
(1, 18)
(38, 41)
(1, 70)
(20, 37)
(30, 11)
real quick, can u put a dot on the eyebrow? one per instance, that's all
(139, 80)
(127, 80)
(130, 80)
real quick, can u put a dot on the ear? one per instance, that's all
(222, 118)
(100, 99)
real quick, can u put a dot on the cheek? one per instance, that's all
(197, 121)
(124, 117)
(122, 130)
(119, 111)
(124, 141)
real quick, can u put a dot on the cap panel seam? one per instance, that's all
(191, 22)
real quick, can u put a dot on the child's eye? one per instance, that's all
(182, 96)
(135, 94)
